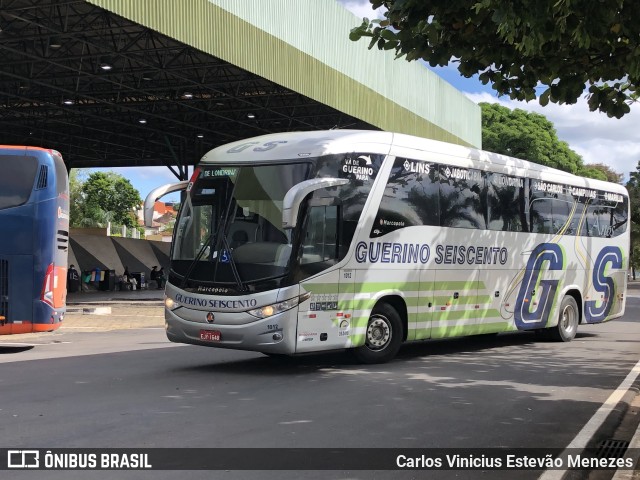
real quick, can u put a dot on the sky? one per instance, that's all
(593, 135)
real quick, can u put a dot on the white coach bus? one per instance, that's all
(304, 242)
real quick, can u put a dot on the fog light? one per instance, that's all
(277, 337)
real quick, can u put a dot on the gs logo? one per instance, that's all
(595, 311)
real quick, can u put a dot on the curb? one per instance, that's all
(90, 310)
(107, 308)
(116, 302)
(123, 301)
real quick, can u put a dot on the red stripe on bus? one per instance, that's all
(17, 328)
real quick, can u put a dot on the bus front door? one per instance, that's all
(325, 323)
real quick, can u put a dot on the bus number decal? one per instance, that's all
(265, 147)
(603, 284)
(269, 146)
(241, 147)
(525, 317)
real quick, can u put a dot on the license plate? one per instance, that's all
(210, 335)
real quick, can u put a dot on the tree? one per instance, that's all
(82, 214)
(526, 135)
(103, 197)
(76, 202)
(521, 46)
(633, 186)
(602, 172)
(533, 137)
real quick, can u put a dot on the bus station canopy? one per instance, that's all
(115, 83)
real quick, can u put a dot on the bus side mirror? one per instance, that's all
(294, 197)
(157, 193)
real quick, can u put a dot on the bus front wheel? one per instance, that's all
(568, 321)
(383, 336)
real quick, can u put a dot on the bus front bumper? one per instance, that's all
(275, 334)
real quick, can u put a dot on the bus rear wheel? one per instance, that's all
(568, 321)
(383, 336)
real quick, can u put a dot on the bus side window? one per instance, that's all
(411, 197)
(319, 243)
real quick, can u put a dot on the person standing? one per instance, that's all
(161, 278)
(126, 280)
(73, 279)
(153, 275)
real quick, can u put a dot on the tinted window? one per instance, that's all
(462, 198)
(410, 197)
(541, 214)
(319, 240)
(506, 200)
(548, 209)
(361, 169)
(61, 176)
(619, 220)
(16, 181)
(422, 193)
(605, 217)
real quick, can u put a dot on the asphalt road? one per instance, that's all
(133, 389)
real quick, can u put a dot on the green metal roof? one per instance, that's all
(303, 45)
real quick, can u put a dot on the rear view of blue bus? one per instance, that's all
(34, 214)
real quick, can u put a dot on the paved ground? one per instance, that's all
(121, 315)
(144, 309)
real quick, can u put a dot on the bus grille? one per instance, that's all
(4, 288)
(42, 178)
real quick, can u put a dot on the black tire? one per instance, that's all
(568, 321)
(280, 358)
(383, 336)
(277, 356)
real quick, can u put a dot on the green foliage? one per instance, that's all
(114, 194)
(633, 186)
(520, 46)
(533, 137)
(602, 172)
(591, 172)
(526, 135)
(76, 203)
(101, 198)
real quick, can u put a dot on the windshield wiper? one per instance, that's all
(222, 242)
(197, 258)
(234, 269)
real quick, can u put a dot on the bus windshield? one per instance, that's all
(16, 185)
(229, 230)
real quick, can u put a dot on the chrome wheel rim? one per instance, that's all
(569, 320)
(378, 333)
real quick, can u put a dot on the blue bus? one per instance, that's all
(34, 215)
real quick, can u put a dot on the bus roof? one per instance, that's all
(25, 148)
(300, 145)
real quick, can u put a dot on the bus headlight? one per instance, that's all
(170, 303)
(269, 310)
